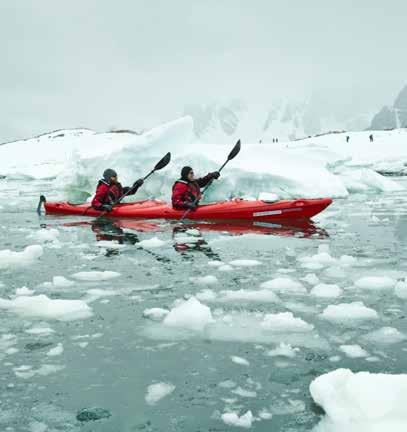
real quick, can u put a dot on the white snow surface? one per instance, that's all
(361, 402)
(315, 167)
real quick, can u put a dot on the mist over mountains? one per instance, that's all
(393, 116)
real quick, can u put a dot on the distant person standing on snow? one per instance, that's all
(347, 138)
(371, 137)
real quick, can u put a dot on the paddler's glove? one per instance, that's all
(106, 207)
(215, 175)
(138, 183)
(191, 206)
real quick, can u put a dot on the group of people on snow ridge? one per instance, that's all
(186, 191)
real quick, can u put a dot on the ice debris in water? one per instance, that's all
(284, 285)
(56, 351)
(240, 360)
(45, 235)
(204, 280)
(245, 263)
(363, 401)
(401, 289)
(326, 291)
(375, 283)
(348, 312)
(311, 279)
(155, 314)
(24, 291)
(191, 314)
(96, 275)
(10, 259)
(224, 296)
(285, 322)
(61, 282)
(283, 350)
(225, 268)
(152, 243)
(40, 331)
(384, 336)
(215, 263)
(43, 307)
(354, 351)
(233, 419)
(157, 391)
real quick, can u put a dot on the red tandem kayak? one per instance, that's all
(237, 209)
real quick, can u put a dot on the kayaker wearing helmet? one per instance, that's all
(109, 190)
(187, 190)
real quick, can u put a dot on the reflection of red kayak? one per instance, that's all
(302, 228)
(237, 209)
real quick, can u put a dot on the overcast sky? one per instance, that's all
(134, 63)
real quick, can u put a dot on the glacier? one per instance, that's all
(323, 166)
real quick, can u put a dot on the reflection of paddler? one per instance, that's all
(190, 240)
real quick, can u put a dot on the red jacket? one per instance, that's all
(184, 192)
(108, 194)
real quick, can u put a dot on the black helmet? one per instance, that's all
(184, 172)
(109, 173)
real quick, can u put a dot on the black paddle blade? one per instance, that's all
(163, 162)
(235, 151)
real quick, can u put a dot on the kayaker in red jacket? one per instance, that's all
(187, 189)
(109, 190)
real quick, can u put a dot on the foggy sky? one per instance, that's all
(134, 63)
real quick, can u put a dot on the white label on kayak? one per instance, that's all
(267, 213)
(276, 212)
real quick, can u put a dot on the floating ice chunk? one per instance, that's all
(56, 351)
(206, 295)
(335, 272)
(354, 351)
(227, 384)
(205, 280)
(152, 243)
(285, 322)
(319, 260)
(244, 392)
(215, 263)
(375, 283)
(245, 263)
(401, 289)
(263, 296)
(326, 291)
(24, 291)
(191, 314)
(348, 312)
(45, 235)
(10, 259)
(240, 361)
(157, 391)
(61, 282)
(96, 275)
(40, 331)
(225, 268)
(311, 279)
(233, 419)
(284, 285)
(348, 260)
(110, 244)
(385, 336)
(363, 401)
(265, 414)
(283, 350)
(97, 293)
(27, 372)
(43, 307)
(155, 314)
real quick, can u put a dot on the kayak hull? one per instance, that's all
(236, 209)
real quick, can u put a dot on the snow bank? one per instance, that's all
(361, 402)
(10, 259)
(191, 315)
(43, 307)
(157, 391)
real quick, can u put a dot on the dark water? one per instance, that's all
(110, 359)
